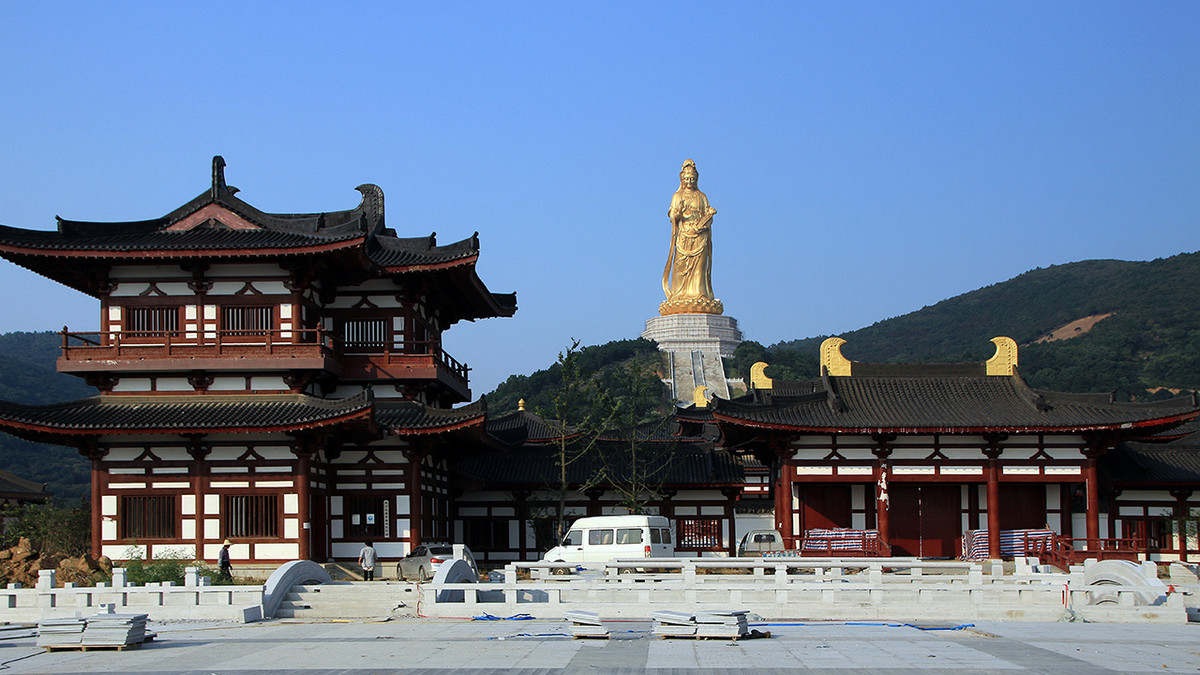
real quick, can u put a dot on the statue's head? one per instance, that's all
(688, 174)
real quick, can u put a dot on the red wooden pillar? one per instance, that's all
(415, 505)
(783, 494)
(199, 485)
(882, 476)
(1091, 479)
(992, 452)
(304, 508)
(99, 482)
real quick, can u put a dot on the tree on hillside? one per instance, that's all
(634, 465)
(575, 420)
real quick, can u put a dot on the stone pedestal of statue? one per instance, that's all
(694, 345)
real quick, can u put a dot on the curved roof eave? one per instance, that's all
(912, 430)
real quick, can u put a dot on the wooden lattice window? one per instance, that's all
(250, 516)
(154, 320)
(367, 517)
(240, 320)
(699, 533)
(366, 334)
(486, 534)
(148, 516)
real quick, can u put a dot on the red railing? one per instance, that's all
(1065, 551)
(247, 343)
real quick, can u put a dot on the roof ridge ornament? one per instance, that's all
(832, 361)
(758, 376)
(218, 177)
(1004, 361)
(372, 203)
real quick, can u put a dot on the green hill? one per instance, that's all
(27, 375)
(1097, 325)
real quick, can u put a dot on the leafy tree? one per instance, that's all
(52, 529)
(574, 419)
(633, 466)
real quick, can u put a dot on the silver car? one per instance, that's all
(425, 560)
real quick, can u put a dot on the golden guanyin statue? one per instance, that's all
(687, 278)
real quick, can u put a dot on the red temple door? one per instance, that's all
(823, 505)
(1022, 506)
(925, 519)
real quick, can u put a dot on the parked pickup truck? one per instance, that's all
(757, 543)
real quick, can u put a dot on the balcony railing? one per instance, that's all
(178, 344)
(84, 348)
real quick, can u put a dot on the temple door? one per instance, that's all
(1022, 506)
(925, 519)
(823, 505)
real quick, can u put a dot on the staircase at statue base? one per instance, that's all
(347, 600)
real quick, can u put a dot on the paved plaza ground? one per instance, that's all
(535, 647)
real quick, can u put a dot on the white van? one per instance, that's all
(599, 539)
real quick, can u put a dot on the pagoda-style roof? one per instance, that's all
(952, 398)
(410, 418)
(946, 404)
(218, 226)
(130, 414)
(522, 427)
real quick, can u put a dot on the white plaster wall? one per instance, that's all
(123, 552)
(279, 551)
(174, 551)
(268, 384)
(128, 384)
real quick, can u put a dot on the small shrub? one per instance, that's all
(169, 566)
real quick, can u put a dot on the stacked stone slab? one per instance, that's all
(114, 630)
(585, 624)
(732, 624)
(60, 632)
(719, 624)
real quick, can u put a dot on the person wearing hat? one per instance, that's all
(225, 568)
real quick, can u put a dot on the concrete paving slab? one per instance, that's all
(542, 647)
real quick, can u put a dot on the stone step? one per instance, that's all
(351, 600)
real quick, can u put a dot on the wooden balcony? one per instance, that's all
(249, 350)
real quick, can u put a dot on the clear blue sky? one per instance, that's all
(866, 159)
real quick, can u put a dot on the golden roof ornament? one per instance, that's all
(687, 278)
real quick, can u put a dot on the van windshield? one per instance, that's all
(632, 535)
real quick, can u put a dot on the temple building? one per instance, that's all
(925, 455)
(277, 380)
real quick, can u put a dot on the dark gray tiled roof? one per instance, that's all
(13, 486)
(418, 251)
(949, 403)
(1174, 463)
(196, 239)
(524, 427)
(179, 414)
(410, 417)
